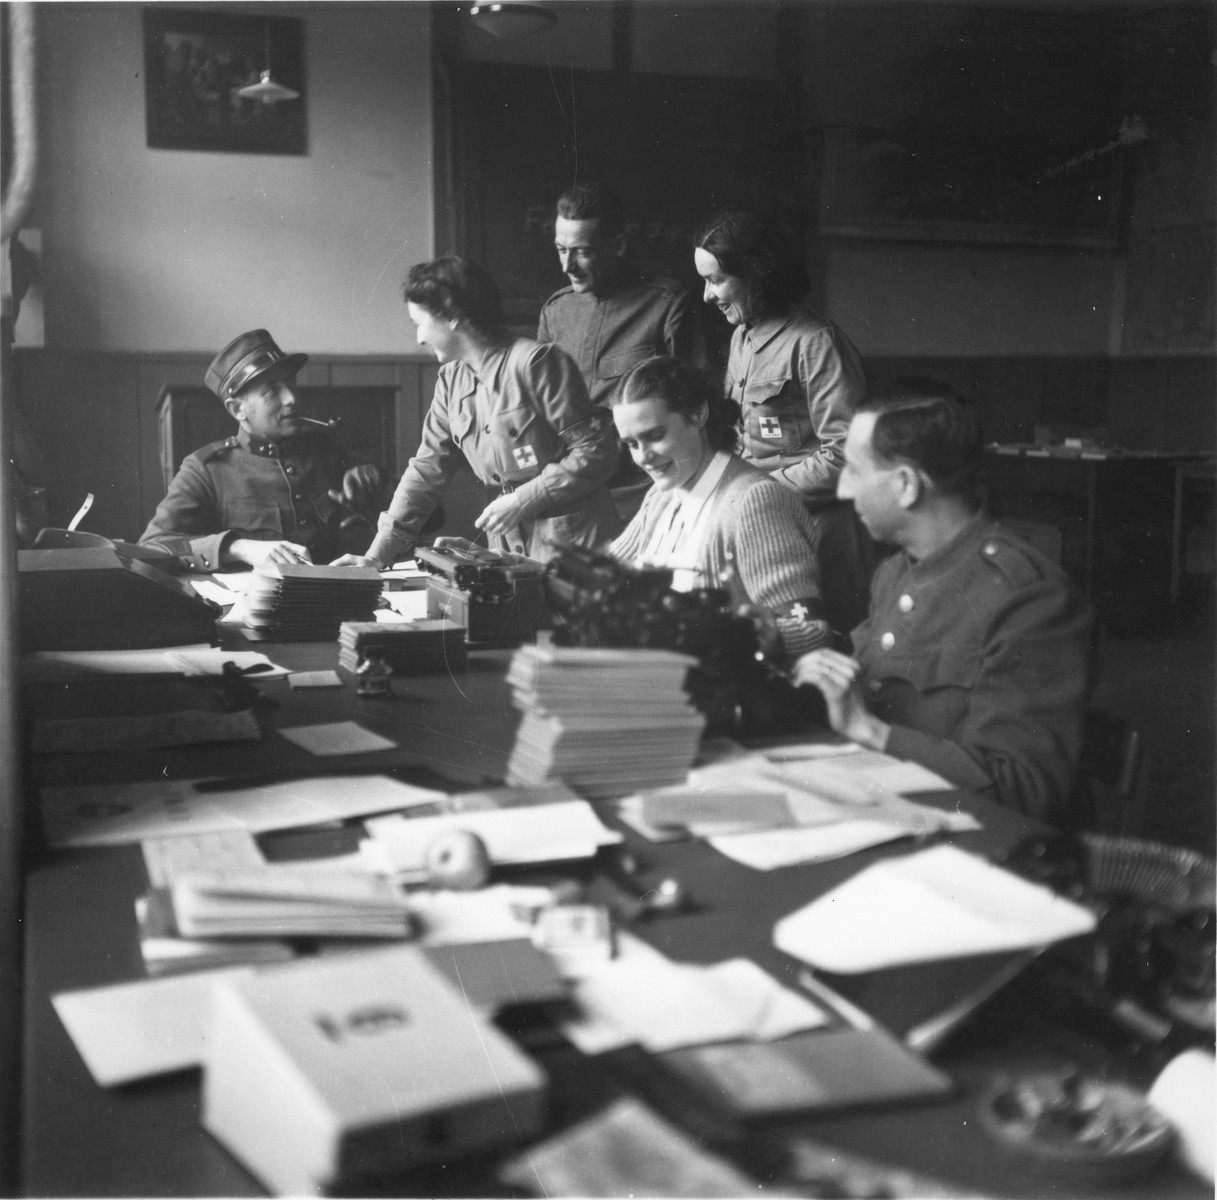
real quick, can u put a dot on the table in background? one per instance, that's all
(1115, 511)
(146, 1139)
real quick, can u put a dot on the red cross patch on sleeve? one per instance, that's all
(525, 457)
(771, 428)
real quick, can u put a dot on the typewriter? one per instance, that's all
(598, 601)
(496, 596)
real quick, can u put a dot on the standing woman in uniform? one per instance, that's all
(516, 410)
(797, 380)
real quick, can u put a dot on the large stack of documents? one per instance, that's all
(305, 603)
(608, 722)
(408, 647)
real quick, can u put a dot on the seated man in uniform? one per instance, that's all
(277, 490)
(974, 659)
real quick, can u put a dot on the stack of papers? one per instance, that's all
(167, 952)
(608, 722)
(409, 647)
(305, 603)
(275, 902)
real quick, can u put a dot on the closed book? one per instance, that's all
(358, 1067)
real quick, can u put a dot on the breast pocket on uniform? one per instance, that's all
(519, 445)
(928, 688)
(612, 367)
(775, 414)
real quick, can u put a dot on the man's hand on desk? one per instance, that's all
(256, 553)
(357, 560)
(838, 677)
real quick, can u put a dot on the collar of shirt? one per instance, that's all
(262, 447)
(763, 331)
(943, 560)
(693, 499)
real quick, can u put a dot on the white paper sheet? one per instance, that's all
(643, 997)
(337, 737)
(150, 1027)
(115, 814)
(209, 661)
(410, 605)
(939, 903)
(537, 833)
(49, 663)
(209, 589)
(818, 843)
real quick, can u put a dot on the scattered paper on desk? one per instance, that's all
(641, 997)
(115, 814)
(773, 848)
(533, 834)
(55, 663)
(134, 1030)
(314, 679)
(490, 914)
(337, 737)
(411, 605)
(211, 662)
(234, 581)
(229, 850)
(865, 779)
(74, 735)
(626, 1150)
(938, 903)
(209, 589)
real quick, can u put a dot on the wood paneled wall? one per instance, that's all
(92, 416)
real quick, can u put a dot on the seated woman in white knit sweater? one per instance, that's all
(714, 519)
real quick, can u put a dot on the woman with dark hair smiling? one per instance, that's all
(516, 410)
(797, 380)
(715, 520)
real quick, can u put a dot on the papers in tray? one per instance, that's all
(534, 834)
(305, 602)
(280, 902)
(115, 814)
(939, 903)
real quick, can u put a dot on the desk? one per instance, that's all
(145, 1139)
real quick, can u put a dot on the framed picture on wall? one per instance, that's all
(196, 65)
(932, 186)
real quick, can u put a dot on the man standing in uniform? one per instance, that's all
(974, 660)
(277, 490)
(611, 316)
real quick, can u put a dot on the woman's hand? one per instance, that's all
(503, 513)
(839, 678)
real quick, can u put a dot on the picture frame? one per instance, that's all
(194, 64)
(931, 186)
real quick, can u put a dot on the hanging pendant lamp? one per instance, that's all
(266, 89)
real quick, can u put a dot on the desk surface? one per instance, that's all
(145, 1139)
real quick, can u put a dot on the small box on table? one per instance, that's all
(323, 1072)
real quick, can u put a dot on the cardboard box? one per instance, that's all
(325, 1071)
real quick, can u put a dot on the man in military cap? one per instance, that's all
(274, 492)
(974, 659)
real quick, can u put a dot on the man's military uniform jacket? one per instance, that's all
(640, 317)
(244, 487)
(797, 379)
(524, 423)
(979, 656)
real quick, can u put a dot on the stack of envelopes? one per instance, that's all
(281, 902)
(301, 602)
(608, 722)
(409, 647)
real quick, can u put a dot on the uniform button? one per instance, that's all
(906, 603)
(299, 496)
(487, 428)
(290, 470)
(206, 563)
(303, 522)
(990, 548)
(888, 640)
(496, 478)
(512, 433)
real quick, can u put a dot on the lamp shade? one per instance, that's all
(509, 20)
(267, 90)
